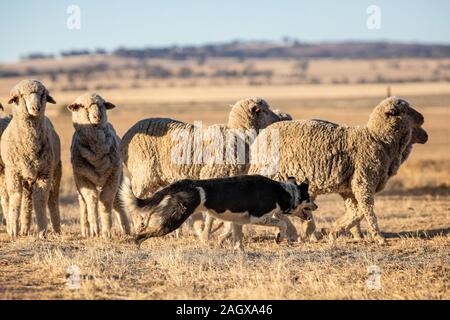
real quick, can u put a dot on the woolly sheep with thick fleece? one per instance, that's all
(30, 151)
(96, 164)
(355, 162)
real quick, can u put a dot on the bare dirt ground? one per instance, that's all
(414, 214)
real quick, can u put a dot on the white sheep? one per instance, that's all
(96, 164)
(30, 151)
(355, 162)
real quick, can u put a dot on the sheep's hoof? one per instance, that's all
(381, 241)
(24, 232)
(204, 238)
(357, 235)
(42, 235)
(325, 231)
(106, 235)
(94, 233)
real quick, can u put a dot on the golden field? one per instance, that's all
(413, 211)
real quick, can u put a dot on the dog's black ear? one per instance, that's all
(292, 180)
(1, 107)
(304, 187)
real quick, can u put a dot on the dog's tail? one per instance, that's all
(167, 202)
(134, 204)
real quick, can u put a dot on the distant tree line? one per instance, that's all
(285, 49)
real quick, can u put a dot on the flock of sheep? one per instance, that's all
(355, 162)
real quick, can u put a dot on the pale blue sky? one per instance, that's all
(40, 26)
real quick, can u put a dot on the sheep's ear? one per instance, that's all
(256, 109)
(74, 107)
(50, 99)
(14, 99)
(109, 105)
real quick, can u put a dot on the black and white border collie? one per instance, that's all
(248, 199)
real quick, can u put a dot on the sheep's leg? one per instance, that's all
(3, 214)
(279, 223)
(366, 207)
(14, 213)
(192, 224)
(351, 206)
(5, 205)
(53, 200)
(3, 199)
(106, 200)
(14, 189)
(84, 223)
(226, 233)
(308, 229)
(238, 236)
(26, 209)
(347, 221)
(356, 232)
(207, 228)
(291, 231)
(40, 195)
(121, 216)
(90, 196)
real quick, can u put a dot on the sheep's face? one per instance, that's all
(261, 114)
(30, 97)
(90, 109)
(397, 113)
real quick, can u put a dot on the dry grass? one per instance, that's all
(414, 213)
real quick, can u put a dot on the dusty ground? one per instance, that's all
(414, 213)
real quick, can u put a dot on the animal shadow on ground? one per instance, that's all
(421, 234)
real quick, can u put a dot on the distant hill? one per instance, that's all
(237, 63)
(286, 49)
